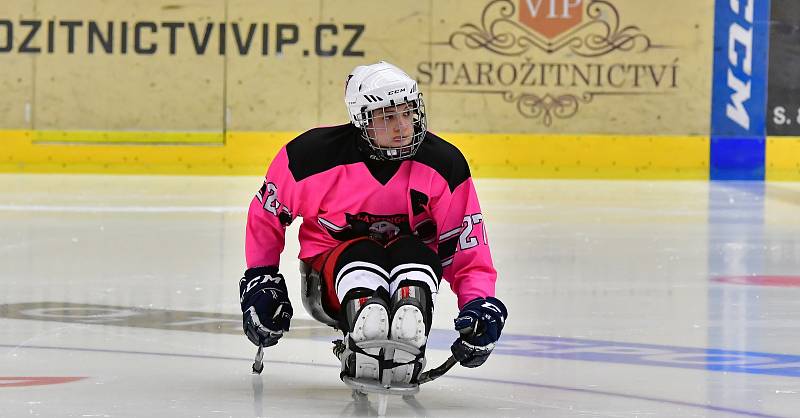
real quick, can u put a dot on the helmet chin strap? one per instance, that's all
(379, 153)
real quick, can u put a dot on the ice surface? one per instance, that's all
(626, 299)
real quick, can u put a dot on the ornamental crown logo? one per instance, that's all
(550, 18)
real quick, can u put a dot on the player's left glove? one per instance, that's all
(266, 309)
(479, 323)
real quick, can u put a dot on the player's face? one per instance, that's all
(392, 126)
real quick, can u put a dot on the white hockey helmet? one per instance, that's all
(384, 86)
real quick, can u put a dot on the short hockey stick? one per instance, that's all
(437, 372)
(258, 364)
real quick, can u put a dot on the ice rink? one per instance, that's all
(118, 298)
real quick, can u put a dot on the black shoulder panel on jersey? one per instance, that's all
(322, 149)
(445, 158)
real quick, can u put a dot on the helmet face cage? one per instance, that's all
(375, 123)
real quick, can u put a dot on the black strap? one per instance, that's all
(383, 362)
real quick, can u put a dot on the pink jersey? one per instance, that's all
(323, 177)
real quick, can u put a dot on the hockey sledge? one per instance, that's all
(385, 387)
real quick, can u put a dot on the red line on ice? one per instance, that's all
(16, 381)
(779, 281)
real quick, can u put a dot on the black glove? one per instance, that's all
(479, 323)
(266, 310)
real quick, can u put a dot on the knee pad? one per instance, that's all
(364, 318)
(412, 314)
(365, 314)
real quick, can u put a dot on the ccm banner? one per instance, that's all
(741, 43)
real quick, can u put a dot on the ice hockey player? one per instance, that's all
(388, 209)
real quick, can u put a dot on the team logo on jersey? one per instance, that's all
(381, 228)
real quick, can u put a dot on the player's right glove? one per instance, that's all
(479, 323)
(266, 310)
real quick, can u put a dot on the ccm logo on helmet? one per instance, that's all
(391, 92)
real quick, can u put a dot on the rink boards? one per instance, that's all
(552, 89)
(489, 155)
